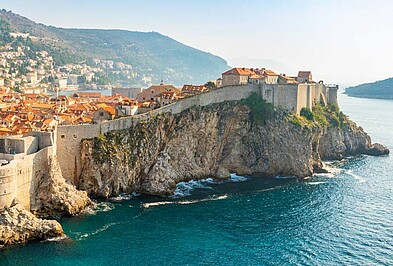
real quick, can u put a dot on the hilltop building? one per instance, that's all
(290, 93)
(127, 92)
(150, 93)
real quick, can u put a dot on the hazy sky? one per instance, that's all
(340, 41)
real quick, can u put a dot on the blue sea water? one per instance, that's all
(341, 218)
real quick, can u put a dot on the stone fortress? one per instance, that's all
(22, 158)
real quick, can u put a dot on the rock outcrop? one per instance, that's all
(54, 196)
(212, 141)
(18, 225)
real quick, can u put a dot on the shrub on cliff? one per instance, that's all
(260, 109)
(307, 113)
(329, 115)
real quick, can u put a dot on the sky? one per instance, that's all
(340, 41)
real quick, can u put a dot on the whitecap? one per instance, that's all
(269, 189)
(356, 177)
(238, 178)
(183, 202)
(154, 204)
(99, 230)
(184, 188)
(56, 239)
(125, 196)
(315, 183)
(202, 200)
(284, 177)
(99, 207)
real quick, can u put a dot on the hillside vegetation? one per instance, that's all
(150, 54)
(380, 89)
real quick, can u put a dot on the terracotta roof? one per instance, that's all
(269, 72)
(240, 71)
(257, 76)
(198, 88)
(87, 94)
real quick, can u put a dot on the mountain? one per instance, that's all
(380, 89)
(150, 54)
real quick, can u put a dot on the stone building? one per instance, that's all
(150, 93)
(127, 92)
(290, 93)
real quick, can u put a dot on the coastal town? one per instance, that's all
(24, 112)
(40, 89)
(35, 95)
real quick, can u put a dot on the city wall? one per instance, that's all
(17, 179)
(69, 137)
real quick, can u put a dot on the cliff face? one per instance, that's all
(211, 141)
(18, 225)
(54, 196)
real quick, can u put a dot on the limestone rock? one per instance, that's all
(54, 196)
(18, 225)
(210, 141)
(377, 149)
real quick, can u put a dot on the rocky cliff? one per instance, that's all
(18, 225)
(53, 197)
(214, 141)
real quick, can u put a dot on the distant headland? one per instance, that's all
(382, 89)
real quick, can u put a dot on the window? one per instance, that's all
(75, 136)
(62, 136)
(101, 113)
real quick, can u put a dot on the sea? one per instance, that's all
(340, 218)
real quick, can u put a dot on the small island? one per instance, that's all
(382, 89)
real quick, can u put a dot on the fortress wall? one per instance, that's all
(286, 96)
(69, 137)
(17, 179)
(303, 97)
(68, 147)
(332, 95)
(45, 139)
(8, 184)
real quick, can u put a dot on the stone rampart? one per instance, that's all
(17, 179)
(69, 137)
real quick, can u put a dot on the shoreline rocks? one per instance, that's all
(212, 141)
(17, 225)
(55, 197)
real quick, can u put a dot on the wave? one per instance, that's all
(104, 206)
(238, 178)
(356, 177)
(184, 188)
(99, 230)
(315, 183)
(125, 196)
(284, 177)
(56, 239)
(183, 202)
(269, 189)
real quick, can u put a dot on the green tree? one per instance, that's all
(307, 113)
(210, 85)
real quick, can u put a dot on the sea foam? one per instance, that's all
(183, 202)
